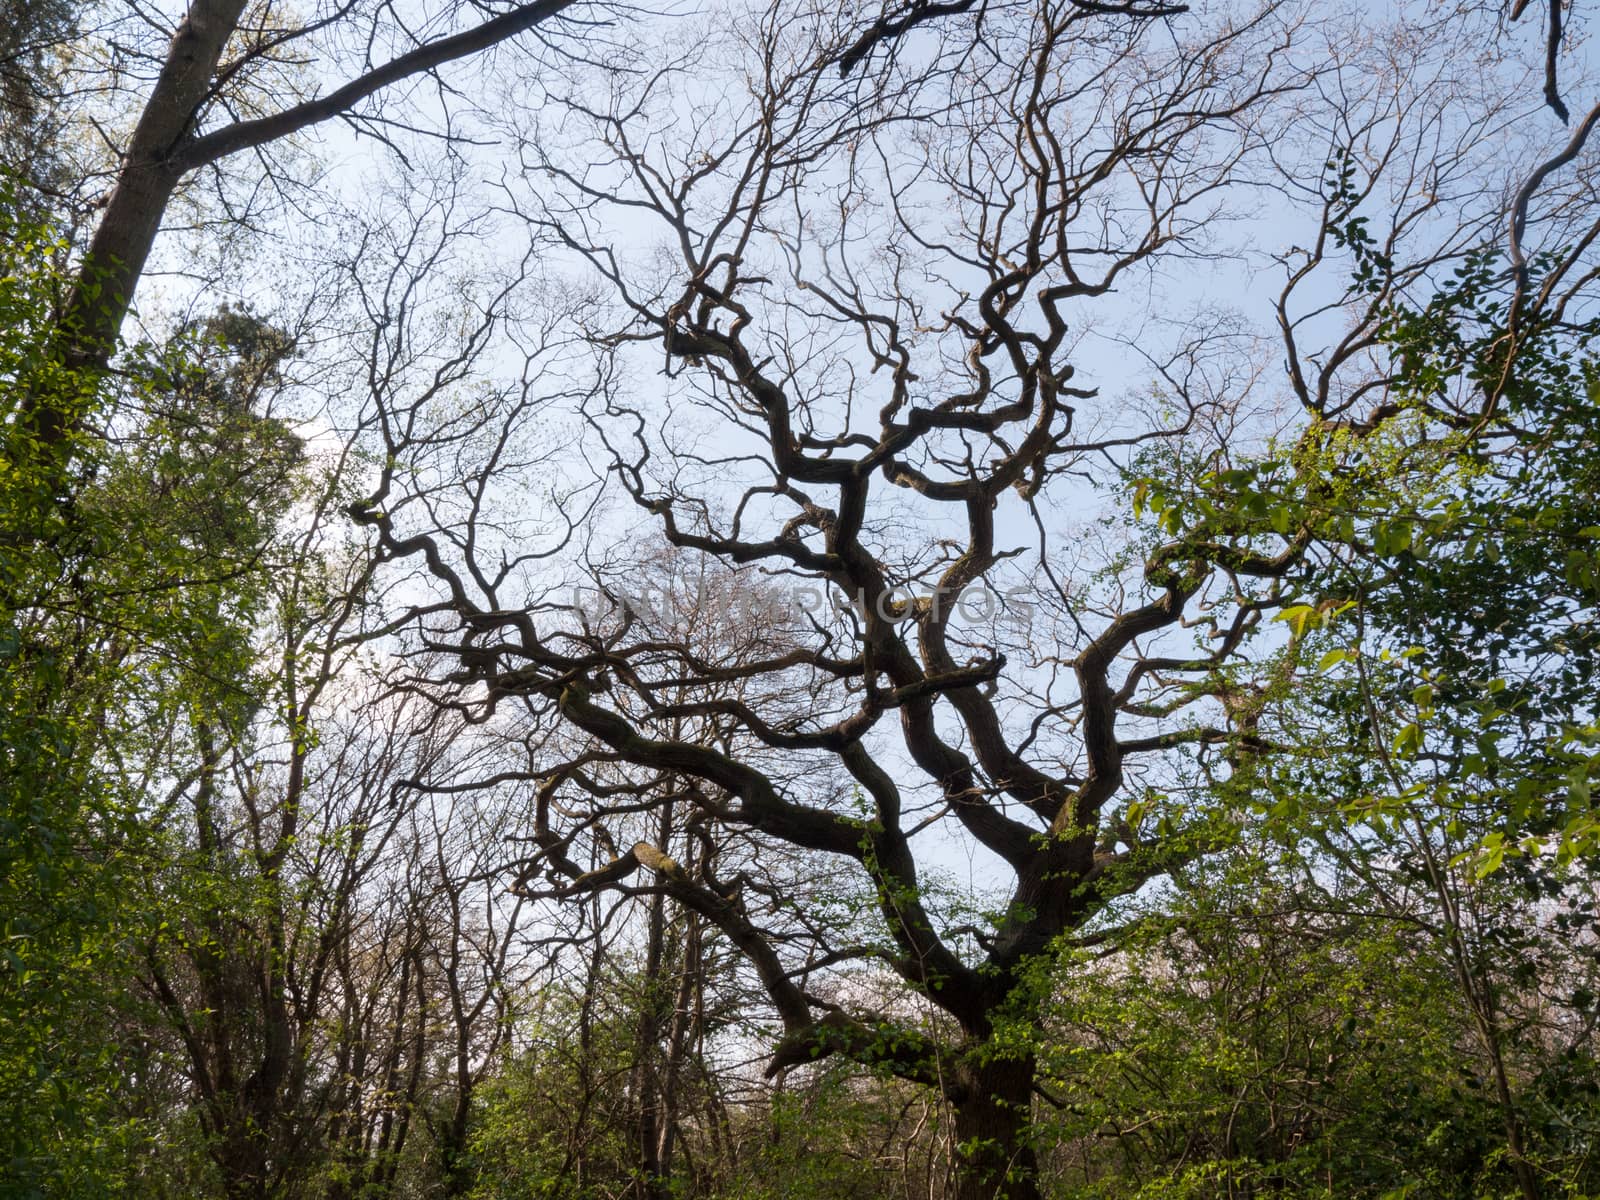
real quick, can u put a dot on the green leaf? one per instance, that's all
(1334, 657)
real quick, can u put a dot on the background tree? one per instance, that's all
(118, 611)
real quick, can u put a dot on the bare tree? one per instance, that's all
(862, 314)
(331, 977)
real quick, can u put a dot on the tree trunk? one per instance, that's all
(145, 182)
(646, 1083)
(993, 1118)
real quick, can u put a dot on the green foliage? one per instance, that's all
(557, 1119)
(815, 1141)
(62, 825)
(1437, 741)
(1446, 602)
(553, 1122)
(133, 509)
(1264, 1034)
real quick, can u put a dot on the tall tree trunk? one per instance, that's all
(993, 1117)
(145, 184)
(166, 146)
(646, 1082)
(679, 1038)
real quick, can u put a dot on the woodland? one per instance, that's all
(925, 599)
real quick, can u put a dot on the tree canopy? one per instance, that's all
(947, 599)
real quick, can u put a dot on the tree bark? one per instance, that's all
(646, 1082)
(993, 1103)
(145, 184)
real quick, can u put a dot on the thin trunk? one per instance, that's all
(646, 1084)
(679, 1039)
(1478, 992)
